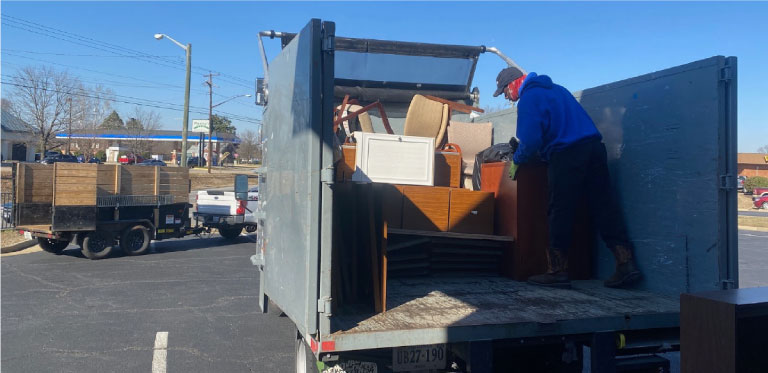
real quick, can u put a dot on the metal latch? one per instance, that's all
(726, 73)
(727, 182)
(324, 305)
(328, 175)
(258, 260)
(329, 44)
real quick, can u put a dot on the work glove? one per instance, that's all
(513, 170)
(514, 143)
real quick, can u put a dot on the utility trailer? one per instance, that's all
(663, 131)
(96, 205)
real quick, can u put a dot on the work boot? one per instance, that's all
(557, 271)
(626, 273)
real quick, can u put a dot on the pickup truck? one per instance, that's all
(130, 159)
(684, 242)
(221, 210)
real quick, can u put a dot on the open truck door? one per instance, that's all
(291, 187)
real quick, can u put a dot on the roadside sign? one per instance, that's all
(200, 125)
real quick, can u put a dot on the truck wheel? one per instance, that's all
(135, 240)
(96, 245)
(305, 361)
(250, 228)
(52, 246)
(230, 233)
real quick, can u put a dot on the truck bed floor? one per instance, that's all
(430, 303)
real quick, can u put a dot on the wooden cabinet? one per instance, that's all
(724, 331)
(426, 208)
(521, 212)
(471, 212)
(448, 169)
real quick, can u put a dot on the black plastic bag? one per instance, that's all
(501, 152)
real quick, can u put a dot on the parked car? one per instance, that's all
(94, 160)
(740, 182)
(130, 159)
(760, 191)
(760, 201)
(51, 159)
(7, 212)
(152, 162)
(191, 162)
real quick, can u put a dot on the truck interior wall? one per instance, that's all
(661, 131)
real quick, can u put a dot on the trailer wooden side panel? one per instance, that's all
(34, 183)
(75, 184)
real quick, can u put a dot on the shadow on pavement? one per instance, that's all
(171, 246)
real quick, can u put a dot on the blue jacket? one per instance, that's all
(549, 119)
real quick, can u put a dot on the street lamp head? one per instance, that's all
(158, 36)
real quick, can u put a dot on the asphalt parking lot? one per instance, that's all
(70, 314)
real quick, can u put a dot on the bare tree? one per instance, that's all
(248, 145)
(40, 98)
(89, 111)
(139, 127)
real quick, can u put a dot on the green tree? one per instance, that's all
(112, 122)
(223, 124)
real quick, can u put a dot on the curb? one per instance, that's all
(756, 229)
(18, 247)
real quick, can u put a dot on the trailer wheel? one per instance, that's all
(52, 246)
(96, 245)
(305, 361)
(135, 240)
(231, 233)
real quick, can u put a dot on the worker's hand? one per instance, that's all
(514, 143)
(513, 170)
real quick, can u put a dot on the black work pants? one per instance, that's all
(575, 172)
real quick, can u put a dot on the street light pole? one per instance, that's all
(186, 108)
(188, 49)
(69, 134)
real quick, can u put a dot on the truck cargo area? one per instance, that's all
(457, 309)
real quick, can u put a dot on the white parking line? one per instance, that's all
(159, 362)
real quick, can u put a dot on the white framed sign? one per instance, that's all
(200, 125)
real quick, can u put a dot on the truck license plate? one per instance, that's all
(418, 358)
(28, 235)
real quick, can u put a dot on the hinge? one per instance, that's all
(728, 284)
(328, 175)
(726, 73)
(324, 306)
(329, 44)
(727, 182)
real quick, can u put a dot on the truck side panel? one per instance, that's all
(291, 197)
(670, 137)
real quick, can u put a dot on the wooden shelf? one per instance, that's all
(467, 236)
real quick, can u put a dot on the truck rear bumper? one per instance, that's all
(216, 220)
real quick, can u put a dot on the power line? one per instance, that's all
(230, 115)
(68, 54)
(100, 45)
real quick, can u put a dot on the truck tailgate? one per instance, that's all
(439, 310)
(216, 202)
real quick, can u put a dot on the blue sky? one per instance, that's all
(580, 45)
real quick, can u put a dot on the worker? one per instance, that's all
(552, 126)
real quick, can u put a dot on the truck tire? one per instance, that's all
(52, 246)
(97, 245)
(231, 233)
(305, 361)
(135, 240)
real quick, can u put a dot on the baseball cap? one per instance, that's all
(506, 76)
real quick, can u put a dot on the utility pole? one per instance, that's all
(69, 134)
(210, 117)
(188, 49)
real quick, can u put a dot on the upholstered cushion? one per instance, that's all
(472, 138)
(425, 118)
